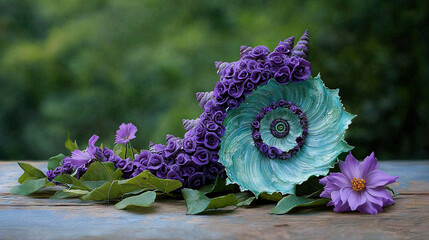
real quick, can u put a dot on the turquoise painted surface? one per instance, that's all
(327, 123)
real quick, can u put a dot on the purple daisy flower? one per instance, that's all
(359, 186)
(125, 133)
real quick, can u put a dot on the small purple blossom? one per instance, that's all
(359, 186)
(196, 180)
(155, 162)
(125, 133)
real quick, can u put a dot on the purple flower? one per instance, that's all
(202, 156)
(264, 65)
(277, 59)
(67, 167)
(50, 174)
(256, 124)
(172, 148)
(142, 159)
(137, 171)
(182, 158)
(252, 65)
(211, 140)
(248, 87)
(114, 159)
(189, 145)
(125, 133)
(274, 152)
(235, 90)
(125, 165)
(107, 153)
(219, 89)
(80, 171)
(212, 126)
(162, 171)
(219, 116)
(256, 135)
(263, 148)
(259, 52)
(283, 75)
(200, 133)
(255, 76)
(196, 180)
(233, 103)
(155, 162)
(157, 148)
(359, 186)
(174, 175)
(189, 168)
(302, 71)
(211, 171)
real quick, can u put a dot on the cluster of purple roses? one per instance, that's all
(257, 66)
(271, 151)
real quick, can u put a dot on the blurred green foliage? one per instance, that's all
(87, 66)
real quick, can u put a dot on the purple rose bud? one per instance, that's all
(263, 148)
(283, 75)
(228, 72)
(293, 108)
(248, 87)
(256, 124)
(302, 71)
(137, 171)
(266, 76)
(258, 144)
(200, 133)
(233, 103)
(281, 48)
(114, 159)
(220, 131)
(80, 171)
(212, 126)
(277, 59)
(58, 170)
(174, 176)
(259, 116)
(189, 168)
(273, 105)
(196, 180)
(162, 171)
(175, 167)
(245, 51)
(97, 153)
(219, 89)
(182, 158)
(67, 167)
(221, 99)
(240, 65)
(219, 116)
(158, 149)
(172, 148)
(211, 171)
(155, 162)
(189, 145)
(264, 65)
(273, 152)
(142, 158)
(107, 152)
(123, 164)
(235, 90)
(255, 76)
(251, 65)
(211, 140)
(259, 52)
(256, 135)
(202, 156)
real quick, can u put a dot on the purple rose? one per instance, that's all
(212, 126)
(255, 76)
(211, 171)
(97, 153)
(251, 65)
(293, 108)
(248, 87)
(256, 124)
(58, 170)
(142, 159)
(277, 59)
(259, 116)
(80, 171)
(67, 168)
(157, 148)
(228, 72)
(172, 148)
(175, 168)
(235, 90)
(125, 165)
(137, 171)
(259, 52)
(264, 65)
(107, 152)
(256, 135)
(283, 75)
(155, 162)
(174, 176)
(220, 131)
(265, 77)
(221, 99)
(273, 152)
(211, 140)
(233, 103)
(263, 148)
(302, 71)
(189, 168)
(51, 175)
(202, 156)
(114, 159)
(162, 171)
(209, 105)
(240, 65)
(245, 51)
(200, 133)
(282, 48)
(196, 180)
(273, 105)
(182, 158)
(189, 145)
(258, 143)
(219, 89)
(219, 116)
(300, 140)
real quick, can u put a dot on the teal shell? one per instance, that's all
(327, 123)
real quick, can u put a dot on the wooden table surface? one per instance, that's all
(37, 217)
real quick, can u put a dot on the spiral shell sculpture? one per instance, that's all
(267, 124)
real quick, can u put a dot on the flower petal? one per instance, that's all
(345, 193)
(339, 179)
(367, 207)
(351, 164)
(378, 178)
(355, 200)
(382, 193)
(342, 208)
(368, 165)
(373, 199)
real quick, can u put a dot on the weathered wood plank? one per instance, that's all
(40, 218)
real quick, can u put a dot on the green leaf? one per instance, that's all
(99, 171)
(197, 202)
(31, 186)
(143, 200)
(275, 197)
(32, 172)
(108, 191)
(310, 186)
(147, 180)
(69, 193)
(219, 186)
(75, 183)
(292, 202)
(244, 198)
(70, 145)
(55, 161)
(24, 177)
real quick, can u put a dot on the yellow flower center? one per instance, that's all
(358, 184)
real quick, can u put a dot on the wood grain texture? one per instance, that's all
(37, 217)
